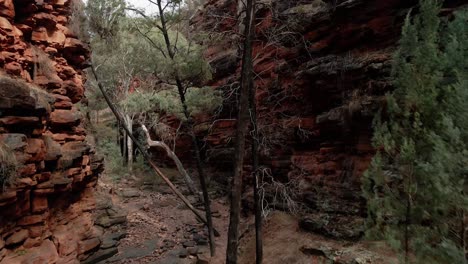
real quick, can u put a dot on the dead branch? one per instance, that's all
(173, 156)
(147, 157)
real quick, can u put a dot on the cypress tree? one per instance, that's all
(415, 184)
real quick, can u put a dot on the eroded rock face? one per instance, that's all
(322, 69)
(47, 210)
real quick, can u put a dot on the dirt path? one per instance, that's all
(160, 229)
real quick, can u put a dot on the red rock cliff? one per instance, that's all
(322, 68)
(46, 211)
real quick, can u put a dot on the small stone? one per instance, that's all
(108, 242)
(189, 244)
(169, 244)
(192, 250)
(101, 255)
(31, 220)
(203, 259)
(36, 231)
(130, 193)
(198, 237)
(32, 242)
(17, 237)
(89, 244)
(39, 204)
(202, 242)
(183, 253)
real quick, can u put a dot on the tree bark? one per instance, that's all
(190, 122)
(129, 124)
(242, 127)
(124, 143)
(155, 168)
(173, 156)
(255, 174)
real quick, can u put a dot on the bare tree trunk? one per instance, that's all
(124, 144)
(181, 90)
(173, 156)
(155, 168)
(129, 124)
(242, 127)
(255, 173)
(407, 224)
(463, 234)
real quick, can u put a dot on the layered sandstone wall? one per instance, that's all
(46, 213)
(322, 69)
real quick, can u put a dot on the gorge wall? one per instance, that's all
(47, 205)
(322, 69)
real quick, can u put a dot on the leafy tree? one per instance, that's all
(104, 17)
(416, 183)
(184, 68)
(152, 50)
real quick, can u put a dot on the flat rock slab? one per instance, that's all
(136, 251)
(130, 193)
(177, 256)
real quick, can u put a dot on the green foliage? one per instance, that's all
(199, 100)
(416, 184)
(8, 167)
(78, 21)
(114, 161)
(130, 50)
(104, 17)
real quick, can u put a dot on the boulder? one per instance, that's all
(39, 204)
(7, 9)
(101, 255)
(31, 220)
(61, 117)
(88, 245)
(45, 253)
(17, 237)
(53, 149)
(15, 94)
(36, 148)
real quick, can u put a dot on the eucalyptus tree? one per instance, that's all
(151, 47)
(184, 67)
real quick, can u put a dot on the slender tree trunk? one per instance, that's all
(155, 168)
(118, 139)
(181, 91)
(463, 234)
(255, 174)
(124, 144)
(407, 224)
(129, 124)
(242, 127)
(173, 156)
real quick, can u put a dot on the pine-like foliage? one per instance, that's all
(415, 186)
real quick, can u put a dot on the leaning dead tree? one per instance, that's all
(242, 129)
(173, 156)
(146, 156)
(170, 51)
